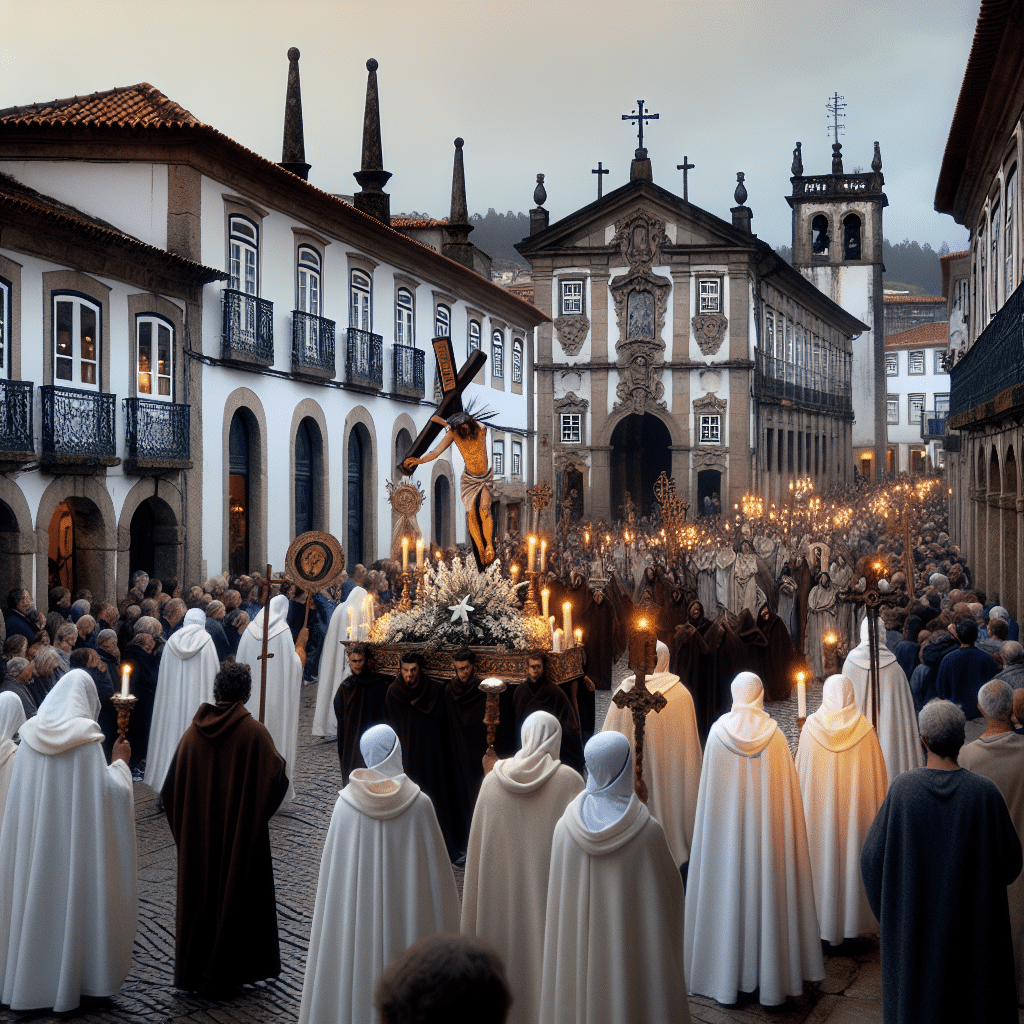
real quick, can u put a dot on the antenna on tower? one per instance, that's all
(835, 108)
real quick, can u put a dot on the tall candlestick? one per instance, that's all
(348, 632)
(801, 696)
(405, 554)
(351, 618)
(126, 671)
(419, 552)
(531, 554)
(543, 556)
(567, 618)
(544, 595)
(557, 646)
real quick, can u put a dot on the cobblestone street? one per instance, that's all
(850, 993)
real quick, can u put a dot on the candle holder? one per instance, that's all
(124, 707)
(531, 607)
(492, 687)
(800, 725)
(421, 586)
(406, 602)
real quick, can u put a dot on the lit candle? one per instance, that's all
(801, 696)
(515, 573)
(557, 646)
(578, 635)
(543, 555)
(531, 554)
(364, 631)
(551, 626)
(351, 618)
(419, 552)
(405, 554)
(348, 633)
(544, 595)
(567, 618)
(126, 671)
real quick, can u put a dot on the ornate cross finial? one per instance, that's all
(641, 116)
(600, 172)
(835, 108)
(684, 167)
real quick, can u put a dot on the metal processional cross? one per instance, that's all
(835, 108)
(684, 167)
(641, 116)
(639, 701)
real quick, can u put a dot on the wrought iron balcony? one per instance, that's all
(78, 426)
(312, 344)
(408, 371)
(156, 434)
(248, 328)
(364, 360)
(933, 424)
(16, 418)
(775, 380)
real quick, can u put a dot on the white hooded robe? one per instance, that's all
(843, 784)
(12, 718)
(333, 661)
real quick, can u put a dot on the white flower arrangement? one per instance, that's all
(491, 616)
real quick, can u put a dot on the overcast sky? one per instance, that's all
(540, 86)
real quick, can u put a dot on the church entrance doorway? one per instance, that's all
(77, 547)
(153, 540)
(358, 489)
(442, 512)
(242, 441)
(640, 452)
(709, 492)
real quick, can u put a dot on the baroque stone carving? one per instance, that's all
(565, 459)
(572, 332)
(709, 329)
(571, 402)
(710, 403)
(640, 237)
(711, 458)
(640, 383)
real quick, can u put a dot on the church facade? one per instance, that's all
(680, 342)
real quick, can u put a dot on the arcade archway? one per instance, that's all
(640, 453)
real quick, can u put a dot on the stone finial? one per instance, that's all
(540, 195)
(458, 247)
(798, 162)
(740, 195)
(538, 215)
(293, 149)
(372, 177)
(837, 158)
(876, 160)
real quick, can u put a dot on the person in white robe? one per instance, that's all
(284, 682)
(385, 882)
(750, 916)
(504, 896)
(896, 722)
(821, 620)
(613, 936)
(347, 623)
(12, 718)
(672, 755)
(843, 784)
(68, 865)
(187, 669)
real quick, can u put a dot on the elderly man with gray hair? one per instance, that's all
(1011, 654)
(936, 864)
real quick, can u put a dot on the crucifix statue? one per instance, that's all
(639, 701)
(467, 430)
(600, 172)
(641, 116)
(684, 167)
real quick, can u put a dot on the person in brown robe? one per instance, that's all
(223, 786)
(690, 659)
(599, 623)
(805, 581)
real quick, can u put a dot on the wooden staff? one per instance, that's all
(264, 656)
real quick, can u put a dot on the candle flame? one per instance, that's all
(800, 677)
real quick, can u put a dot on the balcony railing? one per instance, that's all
(248, 328)
(77, 424)
(778, 380)
(312, 344)
(16, 416)
(364, 359)
(933, 424)
(155, 431)
(851, 185)
(408, 371)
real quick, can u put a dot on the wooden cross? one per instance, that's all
(639, 701)
(684, 167)
(262, 658)
(641, 117)
(601, 172)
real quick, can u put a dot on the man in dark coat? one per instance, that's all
(19, 601)
(145, 671)
(538, 693)
(416, 710)
(358, 704)
(965, 670)
(936, 864)
(225, 782)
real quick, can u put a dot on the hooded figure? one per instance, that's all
(750, 916)
(897, 722)
(612, 875)
(187, 669)
(68, 895)
(284, 681)
(672, 757)
(355, 611)
(12, 718)
(505, 892)
(385, 882)
(843, 784)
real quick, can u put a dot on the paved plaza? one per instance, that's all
(850, 993)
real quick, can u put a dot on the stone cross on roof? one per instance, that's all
(641, 116)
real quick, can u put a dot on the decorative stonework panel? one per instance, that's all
(709, 330)
(640, 383)
(640, 238)
(710, 404)
(572, 332)
(571, 402)
(711, 458)
(566, 459)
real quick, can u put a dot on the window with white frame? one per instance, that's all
(360, 308)
(474, 336)
(404, 330)
(710, 294)
(572, 430)
(915, 409)
(892, 408)
(938, 354)
(308, 284)
(497, 354)
(769, 334)
(76, 341)
(915, 363)
(517, 458)
(572, 298)
(517, 361)
(892, 364)
(942, 403)
(442, 321)
(243, 249)
(498, 457)
(5, 326)
(711, 429)
(154, 338)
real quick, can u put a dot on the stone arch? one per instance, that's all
(163, 501)
(92, 512)
(245, 399)
(442, 522)
(309, 408)
(604, 438)
(1010, 582)
(359, 420)
(990, 553)
(17, 542)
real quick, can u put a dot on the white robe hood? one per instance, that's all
(12, 718)
(861, 654)
(838, 725)
(747, 728)
(334, 661)
(67, 717)
(538, 759)
(278, 619)
(609, 789)
(187, 642)
(382, 751)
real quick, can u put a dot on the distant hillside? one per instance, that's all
(497, 234)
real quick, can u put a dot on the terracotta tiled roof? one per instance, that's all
(417, 222)
(900, 299)
(128, 106)
(950, 256)
(524, 291)
(922, 336)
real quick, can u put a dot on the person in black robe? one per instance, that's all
(466, 704)
(936, 863)
(145, 668)
(224, 784)
(599, 623)
(781, 660)
(729, 655)
(805, 581)
(625, 612)
(690, 659)
(538, 693)
(417, 711)
(358, 705)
